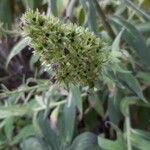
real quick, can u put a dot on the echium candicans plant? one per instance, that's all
(75, 54)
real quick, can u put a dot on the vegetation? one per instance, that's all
(74, 75)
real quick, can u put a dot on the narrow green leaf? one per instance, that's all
(92, 16)
(48, 133)
(114, 107)
(144, 76)
(8, 128)
(96, 103)
(13, 99)
(61, 5)
(69, 116)
(144, 27)
(6, 15)
(111, 145)
(137, 9)
(140, 140)
(143, 134)
(76, 96)
(132, 83)
(89, 8)
(54, 7)
(116, 43)
(81, 16)
(133, 38)
(18, 48)
(83, 3)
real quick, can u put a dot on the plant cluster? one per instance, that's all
(75, 54)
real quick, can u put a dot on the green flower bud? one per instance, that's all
(80, 56)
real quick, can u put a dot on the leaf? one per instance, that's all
(128, 80)
(76, 97)
(137, 9)
(132, 83)
(6, 15)
(15, 110)
(126, 102)
(144, 27)
(111, 145)
(13, 99)
(140, 139)
(114, 107)
(143, 134)
(85, 141)
(91, 16)
(84, 5)
(34, 143)
(69, 117)
(8, 128)
(54, 7)
(24, 133)
(48, 133)
(81, 16)
(61, 5)
(18, 48)
(89, 8)
(134, 39)
(116, 43)
(144, 76)
(96, 103)
(118, 144)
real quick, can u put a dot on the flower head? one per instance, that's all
(79, 55)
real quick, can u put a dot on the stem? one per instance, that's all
(104, 20)
(54, 104)
(6, 93)
(69, 9)
(51, 105)
(129, 146)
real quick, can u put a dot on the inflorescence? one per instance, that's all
(75, 54)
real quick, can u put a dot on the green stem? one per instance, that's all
(52, 105)
(129, 145)
(7, 93)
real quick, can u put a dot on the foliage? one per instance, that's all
(114, 114)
